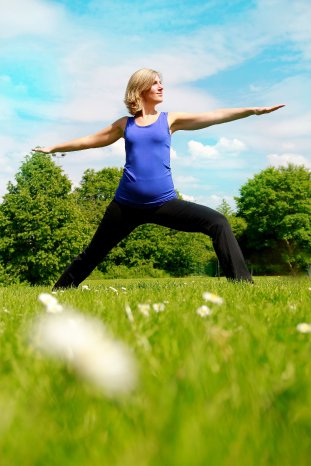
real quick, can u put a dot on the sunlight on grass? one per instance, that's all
(229, 388)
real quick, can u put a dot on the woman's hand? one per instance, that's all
(262, 110)
(44, 150)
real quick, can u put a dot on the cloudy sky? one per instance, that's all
(64, 66)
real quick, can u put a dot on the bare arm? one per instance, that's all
(191, 121)
(105, 137)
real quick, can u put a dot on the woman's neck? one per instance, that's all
(148, 110)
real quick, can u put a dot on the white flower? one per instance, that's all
(304, 327)
(84, 344)
(85, 287)
(212, 298)
(158, 307)
(144, 309)
(203, 311)
(113, 289)
(50, 302)
(128, 312)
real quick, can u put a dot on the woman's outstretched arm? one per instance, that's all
(191, 121)
(105, 137)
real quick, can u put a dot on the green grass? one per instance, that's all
(230, 389)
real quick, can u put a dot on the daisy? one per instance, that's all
(203, 311)
(212, 298)
(304, 327)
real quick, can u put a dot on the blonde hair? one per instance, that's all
(140, 82)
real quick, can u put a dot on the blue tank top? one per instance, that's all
(147, 179)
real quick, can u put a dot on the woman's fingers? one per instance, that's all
(41, 149)
(261, 110)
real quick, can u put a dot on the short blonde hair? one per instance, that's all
(140, 82)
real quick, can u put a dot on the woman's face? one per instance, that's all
(155, 94)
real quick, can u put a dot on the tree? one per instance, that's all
(276, 205)
(96, 190)
(238, 224)
(177, 253)
(149, 246)
(42, 227)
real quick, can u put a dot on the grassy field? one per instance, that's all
(232, 388)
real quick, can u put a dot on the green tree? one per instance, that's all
(177, 253)
(238, 224)
(149, 246)
(42, 227)
(96, 190)
(276, 205)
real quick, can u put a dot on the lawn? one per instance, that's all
(232, 388)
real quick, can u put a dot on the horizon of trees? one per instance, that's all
(44, 224)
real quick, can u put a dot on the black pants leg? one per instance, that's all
(120, 220)
(116, 224)
(188, 216)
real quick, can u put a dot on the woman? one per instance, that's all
(146, 192)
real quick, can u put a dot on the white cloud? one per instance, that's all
(30, 17)
(224, 146)
(187, 197)
(213, 201)
(173, 154)
(284, 159)
(198, 150)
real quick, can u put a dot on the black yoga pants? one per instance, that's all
(120, 220)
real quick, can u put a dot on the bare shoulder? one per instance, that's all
(121, 123)
(176, 118)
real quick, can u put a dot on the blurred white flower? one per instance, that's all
(144, 309)
(203, 311)
(5, 310)
(212, 298)
(85, 287)
(128, 312)
(50, 302)
(86, 346)
(113, 289)
(158, 307)
(304, 327)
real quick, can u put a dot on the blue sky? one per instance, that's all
(64, 66)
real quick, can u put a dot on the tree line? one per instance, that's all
(44, 224)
